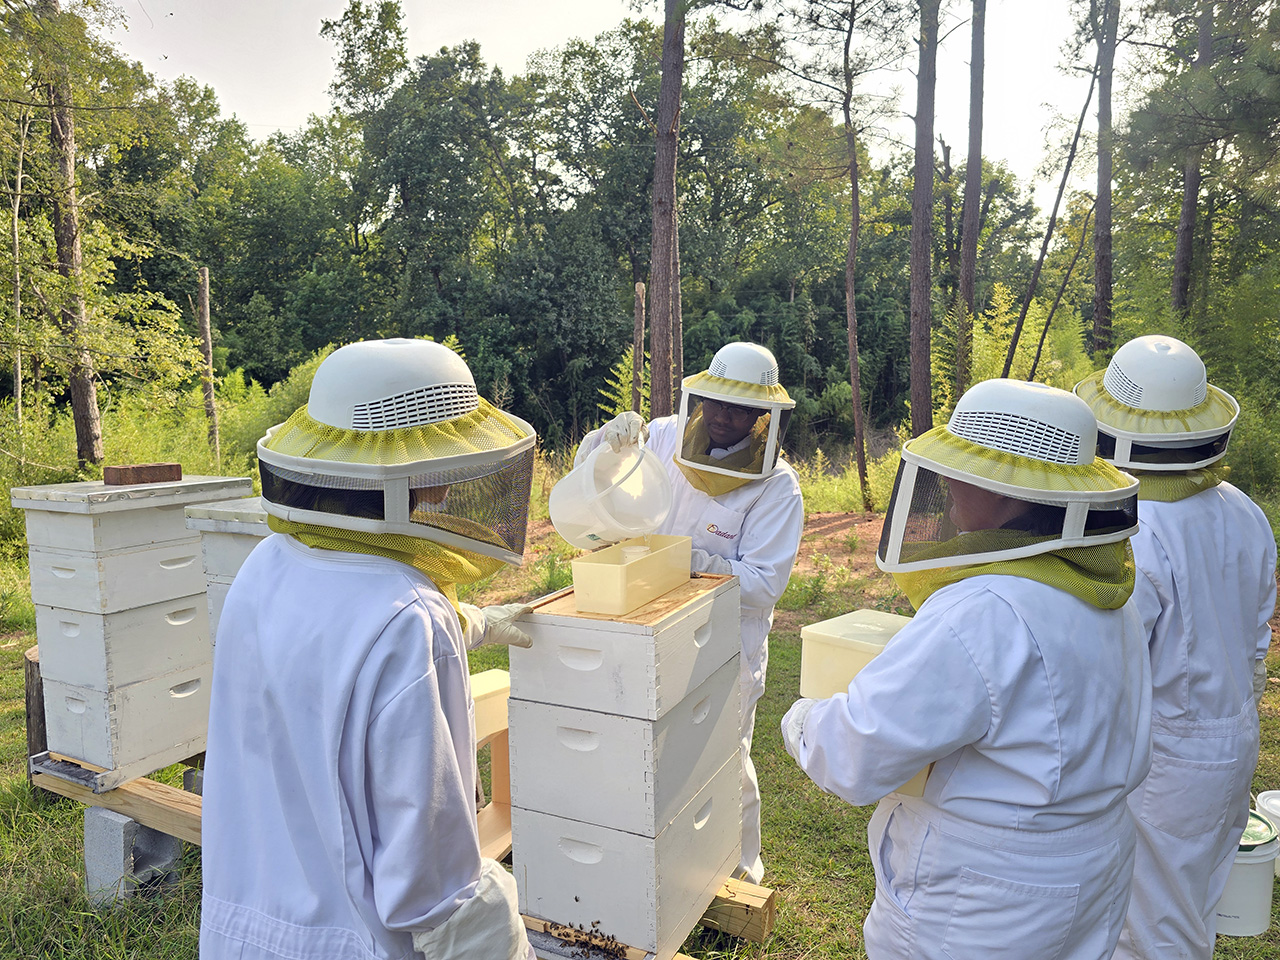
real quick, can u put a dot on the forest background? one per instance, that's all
(512, 217)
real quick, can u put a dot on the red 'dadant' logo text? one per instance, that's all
(712, 528)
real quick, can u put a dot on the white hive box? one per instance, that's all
(229, 530)
(647, 892)
(121, 619)
(638, 665)
(639, 773)
(626, 770)
(105, 651)
(130, 730)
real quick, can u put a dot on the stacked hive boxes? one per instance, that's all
(121, 620)
(625, 764)
(228, 531)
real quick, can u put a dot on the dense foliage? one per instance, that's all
(441, 198)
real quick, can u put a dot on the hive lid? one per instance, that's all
(1258, 831)
(865, 626)
(94, 496)
(240, 509)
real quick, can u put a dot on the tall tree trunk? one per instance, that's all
(637, 353)
(15, 208)
(1109, 30)
(969, 211)
(1048, 233)
(850, 269)
(1062, 288)
(950, 242)
(662, 249)
(206, 346)
(922, 222)
(1183, 249)
(66, 234)
(677, 315)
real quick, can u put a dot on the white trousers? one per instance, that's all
(751, 689)
(1190, 812)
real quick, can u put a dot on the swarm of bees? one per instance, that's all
(588, 944)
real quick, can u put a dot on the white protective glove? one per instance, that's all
(1259, 680)
(793, 726)
(703, 562)
(496, 624)
(625, 430)
(486, 924)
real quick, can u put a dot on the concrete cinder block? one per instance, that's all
(122, 857)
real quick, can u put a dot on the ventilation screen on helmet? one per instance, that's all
(1184, 453)
(733, 437)
(952, 522)
(343, 496)
(489, 505)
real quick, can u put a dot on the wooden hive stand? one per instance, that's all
(740, 909)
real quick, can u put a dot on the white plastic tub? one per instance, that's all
(1245, 907)
(1268, 805)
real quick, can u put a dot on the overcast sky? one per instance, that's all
(270, 67)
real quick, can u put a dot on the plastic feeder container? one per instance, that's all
(1269, 806)
(1245, 907)
(833, 651)
(626, 576)
(610, 497)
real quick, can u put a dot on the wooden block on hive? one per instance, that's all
(141, 473)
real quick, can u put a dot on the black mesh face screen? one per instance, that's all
(346, 497)
(492, 508)
(1209, 449)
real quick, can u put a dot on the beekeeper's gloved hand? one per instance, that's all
(1259, 680)
(625, 430)
(496, 624)
(793, 726)
(703, 562)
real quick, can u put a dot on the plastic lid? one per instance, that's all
(1258, 831)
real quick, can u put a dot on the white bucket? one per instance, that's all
(1269, 806)
(611, 496)
(1245, 907)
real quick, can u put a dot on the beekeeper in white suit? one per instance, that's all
(339, 798)
(1022, 678)
(740, 501)
(1206, 561)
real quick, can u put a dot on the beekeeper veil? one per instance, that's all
(733, 417)
(1156, 409)
(396, 451)
(1012, 475)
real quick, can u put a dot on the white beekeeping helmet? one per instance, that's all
(1157, 410)
(734, 415)
(394, 439)
(1012, 474)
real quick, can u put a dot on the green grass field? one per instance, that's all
(815, 845)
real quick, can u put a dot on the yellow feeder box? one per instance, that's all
(624, 577)
(833, 651)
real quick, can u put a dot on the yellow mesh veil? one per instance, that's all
(1216, 412)
(707, 384)
(486, 428)
(942, 448)
(445, 566)
(1101, 575)
(1178, 485)
(750, 459)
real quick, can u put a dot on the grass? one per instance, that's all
(814, 844)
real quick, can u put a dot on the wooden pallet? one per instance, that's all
(740, 909)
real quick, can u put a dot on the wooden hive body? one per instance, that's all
(626, 769)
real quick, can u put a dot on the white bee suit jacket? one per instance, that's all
(1205, 589)
(339, 790)
(1036, 708)
(754, 531)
